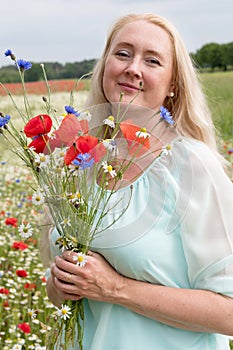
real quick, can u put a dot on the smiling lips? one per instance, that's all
(128, 87)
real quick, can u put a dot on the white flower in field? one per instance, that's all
(64, 312)
(42, 160)
(25, 231)
(85, 115)
(142, 133)
(66, 222)
(17, 347)
(75, 198)
(80, 259)
(111, 146)
(109, 169)
(167, 150)
(110, 122)
(31, 313)
(38, 198)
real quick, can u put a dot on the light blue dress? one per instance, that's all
(177, 232)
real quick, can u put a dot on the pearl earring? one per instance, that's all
(172, 94)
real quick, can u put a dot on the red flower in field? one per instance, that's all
(230, 151)
(2, 213)
(4, 291)
(68, 130)
(29, 286)
(85, 144)
(19, 245)
(25, 327)
(32, 241)
(21, 273)
(11, 222)
(43, 279)
(37, 128)
(6, 304)
(137, 138)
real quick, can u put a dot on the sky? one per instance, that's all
(73, 30)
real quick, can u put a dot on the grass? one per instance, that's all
(219, 91)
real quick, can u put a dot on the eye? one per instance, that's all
(122, 53)
(153, 61)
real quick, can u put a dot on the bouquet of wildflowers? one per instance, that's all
(79, 162)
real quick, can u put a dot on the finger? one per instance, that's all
(77, 258)
(67, 288)
(65, 276)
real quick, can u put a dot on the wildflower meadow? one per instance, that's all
(26, 312)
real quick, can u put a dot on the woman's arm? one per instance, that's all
(195, 310)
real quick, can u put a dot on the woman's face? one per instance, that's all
(141, 53)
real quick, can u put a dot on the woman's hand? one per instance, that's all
(54, 295)
(97, 280)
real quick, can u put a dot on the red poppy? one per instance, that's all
(19, 245)
(43, 279)
(137, 145)
(25, 327)
(11, 222)
(85, 144)
(68, 130)
(4, 291)
(39, 125)
(2, 213)
(21, 273)
(37, 128)
(29, 286)
(39, 143)
(6, 303)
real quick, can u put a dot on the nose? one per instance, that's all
(133, 69)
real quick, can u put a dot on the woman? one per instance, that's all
(169, 285)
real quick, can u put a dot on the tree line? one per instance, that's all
(211, 56)
(214, 56)
(54, 71)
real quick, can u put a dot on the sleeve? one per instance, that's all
(207, 225)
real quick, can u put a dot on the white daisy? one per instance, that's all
(110, 122)
(75, 198)
(17, 347)
(80, 259)
(25, 231)
(64, 312)
(31, 313)
(66, 222)
(42, 160)
(38, 198)
(111, 146)
(109, 169)
(85, 115)
(142, 133)
(167, 150)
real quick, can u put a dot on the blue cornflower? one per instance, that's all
(10, 53)
(166, 115)
(84, 161)
(4, 120)
(24, 65)
(71, 110)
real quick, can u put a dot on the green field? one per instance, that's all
(218, 88)
(22, 295)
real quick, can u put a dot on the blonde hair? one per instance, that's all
(188, 107)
